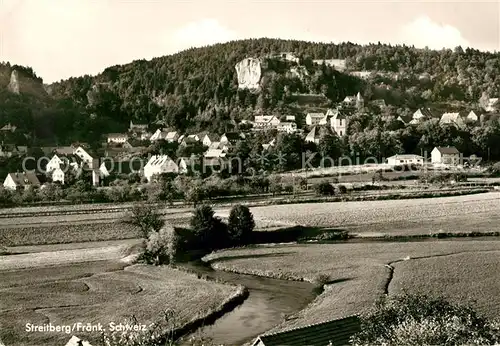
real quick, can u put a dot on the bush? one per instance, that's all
(342, 189)
(146, 218)
(324, 189)
(421, 320)
(162, 246)
(240, 224)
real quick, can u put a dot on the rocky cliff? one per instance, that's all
(249, 72)
(14, 82)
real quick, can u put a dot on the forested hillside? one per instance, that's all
(198, 88)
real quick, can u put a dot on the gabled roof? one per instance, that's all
(316, 115)
(406, 157)
(423, 112)
(8, 127)
(448, 150)
(75, 341)
(117, 135)
(25, 178)
(313, 134)
(451, 118)
(212, 153)
(338, 332)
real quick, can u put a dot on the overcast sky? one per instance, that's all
(63, 38)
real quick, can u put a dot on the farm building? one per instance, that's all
(456, 119)
(19, 180)
(287, 126)
(405, 160)
(336, 332)
(313, 136)
(445, 155)
(266, 121)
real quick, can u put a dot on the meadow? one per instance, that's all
(479, 213)
(360, 273)
(91, 285)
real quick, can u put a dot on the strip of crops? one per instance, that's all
(58, 234)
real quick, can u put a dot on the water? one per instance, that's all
(268, 303)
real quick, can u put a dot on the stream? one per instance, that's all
(268, 303)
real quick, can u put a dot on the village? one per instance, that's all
(216, 150)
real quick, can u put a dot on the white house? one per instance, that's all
(265, 121)
(19, 180)
(288, 127)
(270, 144)
(422, 114)
(172, 136)
(472, 117)
(492, 105)
(313, 119)
(209, 138)
(338, 123)
(54, 163)
(452, 119)
(75, 341)
(353, 99)
(290, 118)
(159, 164)
(117, 138)
(445, 155)
(57, 175)
(83, 155)
(405, 160)
(158, 135)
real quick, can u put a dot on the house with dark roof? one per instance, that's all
(231, 137)
(335, 333)
(14, 181)
(445, 156)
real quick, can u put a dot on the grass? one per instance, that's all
(358, 271)
(103, 291)
(463, 278)
(480, 213)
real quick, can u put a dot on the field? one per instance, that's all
(360, 273)
(94, 285)
(480, 213)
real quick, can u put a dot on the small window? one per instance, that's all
(340, 132)
(340, 122)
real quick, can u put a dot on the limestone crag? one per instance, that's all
(14, 82)
(249, 72)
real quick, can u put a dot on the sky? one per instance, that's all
(64, 38)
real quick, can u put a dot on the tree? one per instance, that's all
(161, 246)
(209, 231)
(420, 320)
(240, 224)
(324, 188)
(146, 218)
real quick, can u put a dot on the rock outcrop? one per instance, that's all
(14, 82)
(249, 72)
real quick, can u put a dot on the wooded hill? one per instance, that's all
(198, 88)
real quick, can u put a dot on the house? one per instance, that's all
(492, 106)
(287, 126)
(353, 99)
(83, 155)
(313, 136)
(336, 332)
(339, 123)
(422, 114)
(214, 153)
(57, 175)
(290, 118)
(313, 119)
(404, 119)
(8, 128)
(230, 137)
(145, 136)
(14, 181)
(405, 160)
(158, 135)
(445, 155)
(117, 138)
(54, 163)
(159, 164)
(187, 164)
(452, 119)
(75, 341)
(265, 121)
(209, 138)
(472, 117)
(189, 140)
